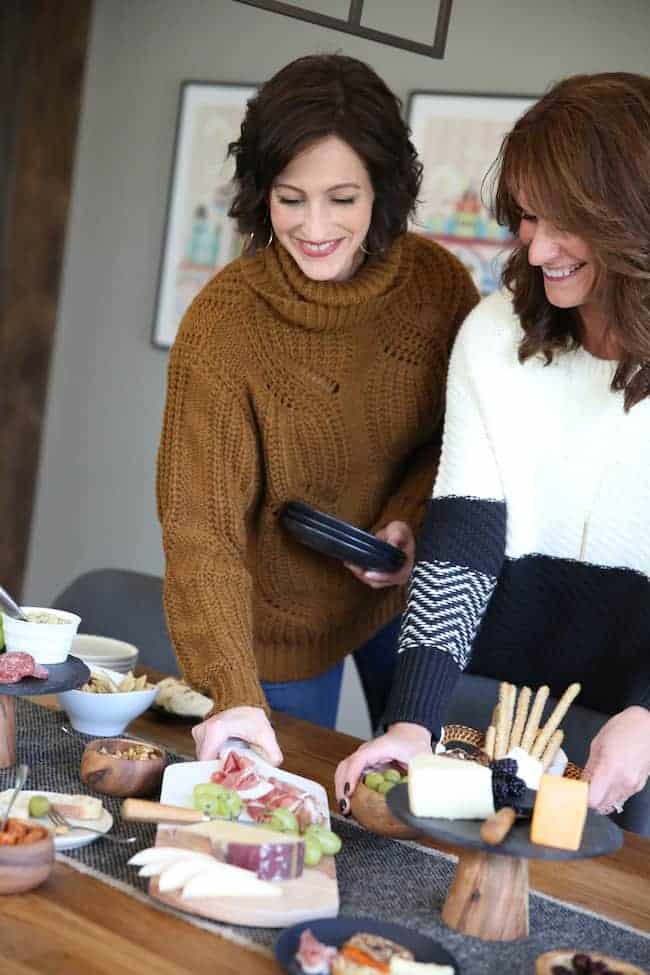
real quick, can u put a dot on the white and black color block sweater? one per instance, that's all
(533, 565)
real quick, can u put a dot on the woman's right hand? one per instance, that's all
(249, 724)
(400, 743)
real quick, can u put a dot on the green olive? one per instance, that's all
(392, 775)
(39, 806)
(373, 780)
(313, 850)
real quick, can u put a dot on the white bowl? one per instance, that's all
(48, 643)
(105, 715)
(103, 651)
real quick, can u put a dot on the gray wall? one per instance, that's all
(95, 504)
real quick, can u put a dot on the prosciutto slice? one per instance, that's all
(16, 665)
(262, 795)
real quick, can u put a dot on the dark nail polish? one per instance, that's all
(343, 806)
(346, 789)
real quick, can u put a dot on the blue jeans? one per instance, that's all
(317, 698)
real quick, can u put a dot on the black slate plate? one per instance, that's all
(63, 677)
(302, 512)
(337, 548)
(600, 835)
(335, 930)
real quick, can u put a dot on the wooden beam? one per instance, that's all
(44, 52)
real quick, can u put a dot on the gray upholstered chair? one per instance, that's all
(472, 705)
(124, 605)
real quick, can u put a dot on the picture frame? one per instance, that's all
(199, 236)
(458, 136)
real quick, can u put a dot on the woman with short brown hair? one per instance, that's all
(311, 369)
(533, 565)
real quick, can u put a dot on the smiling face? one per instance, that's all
(321, 208)
(567, 263)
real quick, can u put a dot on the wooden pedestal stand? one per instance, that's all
(7, 731)
(62, 677)
(488, 897)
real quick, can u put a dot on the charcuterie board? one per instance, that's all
(312, 894)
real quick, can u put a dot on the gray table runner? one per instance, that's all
(386, 879)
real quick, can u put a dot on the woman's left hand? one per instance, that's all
(619, 760)
(396, 533)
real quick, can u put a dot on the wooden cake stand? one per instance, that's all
(488, 897)
(62, 677)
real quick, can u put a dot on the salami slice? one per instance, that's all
(14, 666)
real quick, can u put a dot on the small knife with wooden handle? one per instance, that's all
(143, 811)
(496, 827)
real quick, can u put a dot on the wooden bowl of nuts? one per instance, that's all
(368, 802)
(122, 767)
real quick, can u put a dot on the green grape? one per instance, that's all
(234, 803)
(284, 821)
(404, 778)
(373, 780)
(204, 796)
(39, 806)
(330, 843)
(392, 775)
(385, 787)
(313, 851)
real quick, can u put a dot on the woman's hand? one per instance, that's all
(250, 724)
(619, 760)
(401, 742)
(396, 533)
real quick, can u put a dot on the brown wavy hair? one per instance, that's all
(581, 155)
(309, 99)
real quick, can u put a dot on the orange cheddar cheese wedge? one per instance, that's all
(560, 812)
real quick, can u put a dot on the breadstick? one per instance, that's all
(551, 749)
(490, 736)
(554, 720)
(506, 707)
(520, 716)
(534, 718)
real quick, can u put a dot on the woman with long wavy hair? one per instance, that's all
(533, 566)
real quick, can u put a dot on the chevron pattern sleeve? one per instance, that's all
(460, 549)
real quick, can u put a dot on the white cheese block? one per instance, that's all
(449, 788)
(224, 880)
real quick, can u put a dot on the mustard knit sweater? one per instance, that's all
(283, 388)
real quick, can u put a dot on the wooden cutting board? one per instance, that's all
(314, 894)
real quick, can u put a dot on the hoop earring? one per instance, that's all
(362, 248)
(270, 240)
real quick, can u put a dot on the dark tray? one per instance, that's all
(63, 677)
(335, 930)
(600, 835)
(338, 548)
(340, 540)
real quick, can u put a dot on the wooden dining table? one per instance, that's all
(79, 925)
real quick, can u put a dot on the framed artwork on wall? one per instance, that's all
(199, 237)
(458, 137)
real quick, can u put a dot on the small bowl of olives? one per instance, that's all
(122, 767)
(368, 802)
(566, 962)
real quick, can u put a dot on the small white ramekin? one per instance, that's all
(48, 643)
